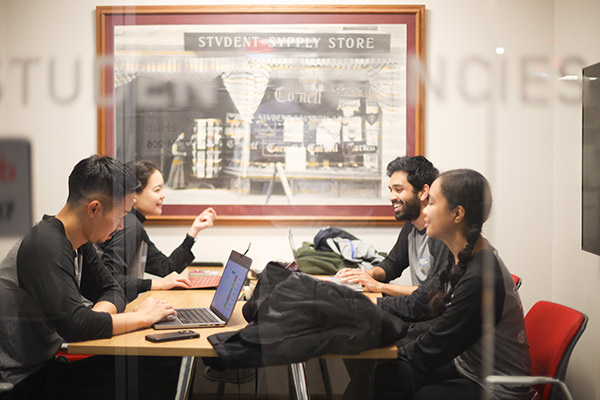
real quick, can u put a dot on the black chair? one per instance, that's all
(235, 376)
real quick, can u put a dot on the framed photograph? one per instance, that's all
(269, 114)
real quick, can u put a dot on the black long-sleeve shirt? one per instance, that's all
(457, 334)
(41, 286)
(122, 256)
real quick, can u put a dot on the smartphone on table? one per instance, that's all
(169, 336)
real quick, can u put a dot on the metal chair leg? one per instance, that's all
(291, 388)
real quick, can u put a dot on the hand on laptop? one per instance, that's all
(154, 310)
(170, 281)
(354, 275)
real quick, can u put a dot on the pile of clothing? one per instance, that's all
(334, 249)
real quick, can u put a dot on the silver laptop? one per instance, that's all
(354, 286)
(223, 302)
(294, 265)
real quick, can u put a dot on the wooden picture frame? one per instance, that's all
(287, 114)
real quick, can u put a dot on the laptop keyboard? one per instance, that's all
(196, 315)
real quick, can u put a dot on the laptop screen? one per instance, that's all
(294, 265)
(230, 285)
(292, 244)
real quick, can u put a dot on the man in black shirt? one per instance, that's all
(410, 180)
(44, 277)
(425, 257)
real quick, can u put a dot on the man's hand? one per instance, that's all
(369, 279)
(354, 275)
(153, 310)
(150, 311)
(344, 271)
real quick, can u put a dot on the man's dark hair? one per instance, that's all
(419, 169)
(142, 169)
(102, 178)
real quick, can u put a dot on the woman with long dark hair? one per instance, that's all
(447, 361)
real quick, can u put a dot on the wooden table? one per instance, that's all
(135, 344)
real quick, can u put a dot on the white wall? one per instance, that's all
(523, 137)
(575, 273)
(505, 135)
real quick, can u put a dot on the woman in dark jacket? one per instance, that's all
(130, 252)
(449, 360)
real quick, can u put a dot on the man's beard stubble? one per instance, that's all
(410, 210)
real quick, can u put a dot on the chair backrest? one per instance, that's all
(552, 331)
(517, 280)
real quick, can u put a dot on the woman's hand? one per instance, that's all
(205, 220)
(170, 281)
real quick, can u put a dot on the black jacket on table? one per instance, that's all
(456, 336)
(41, 283)
(125, 257)
(294, 317)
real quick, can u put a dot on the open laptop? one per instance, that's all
(223, 302)
(354, 286)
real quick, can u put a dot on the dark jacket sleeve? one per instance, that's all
(97, 283)
(159, 264)
(414, 307)
(46, 271)
(397, 260)
(458, 328)
(120, 254)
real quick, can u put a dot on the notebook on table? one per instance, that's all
(334, 279)
(203, 281)
(223, 302)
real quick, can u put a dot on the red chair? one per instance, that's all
(517, 280)
(64, 355)
(552, 331)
